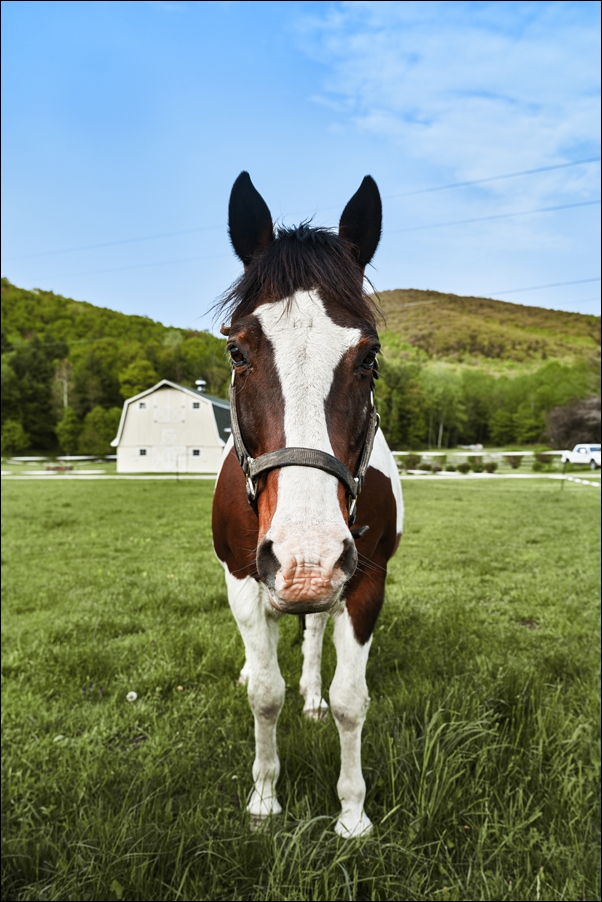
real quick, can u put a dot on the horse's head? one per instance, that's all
(303, 346)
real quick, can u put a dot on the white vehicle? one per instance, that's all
(583, 454)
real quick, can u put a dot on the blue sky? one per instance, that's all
(131, 120)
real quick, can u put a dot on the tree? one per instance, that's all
(137, 377)
(573, 423)
(99, 429)
(14, 437)
(68, 431)
(34, 369)
(501, 426)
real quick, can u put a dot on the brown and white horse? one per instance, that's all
(303, 344)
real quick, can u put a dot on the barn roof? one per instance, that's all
(221, 407)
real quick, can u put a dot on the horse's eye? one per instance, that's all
(369, 360)
(236, 356)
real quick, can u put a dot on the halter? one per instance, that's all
(253, 467)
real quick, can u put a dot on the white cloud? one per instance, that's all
(473, 89)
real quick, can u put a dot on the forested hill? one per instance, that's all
(466, 329)
(68, 366)
(53, 317)
(454, 369)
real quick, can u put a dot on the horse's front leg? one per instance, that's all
(265, 686)
(311, 675)
(349, 703)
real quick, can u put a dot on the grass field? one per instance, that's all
(480, 750)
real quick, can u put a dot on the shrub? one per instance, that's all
(68, 431)
(576, 422)
(450, 468)
(491, 467)
(477, 468)
(425, 466)
(538, 466)
(464, 468)
(100, 427)
(412, 460)
(14, 437)
(514, 460)
(435, 468)
(544, 458)
(477, 460)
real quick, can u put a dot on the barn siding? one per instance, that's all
(169, 428)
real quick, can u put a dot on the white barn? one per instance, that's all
(172, 429)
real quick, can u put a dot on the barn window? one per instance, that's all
(196, 405)
(142, 405)
(142, 452)
(196, 452)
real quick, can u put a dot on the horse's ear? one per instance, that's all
(249, 220)
(361, 221)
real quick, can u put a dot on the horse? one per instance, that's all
(305, 461)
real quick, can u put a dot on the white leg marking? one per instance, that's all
(310, 686)
(259, 630)
(243, 678)
(349, 703)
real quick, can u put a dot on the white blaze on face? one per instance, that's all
(308, 527)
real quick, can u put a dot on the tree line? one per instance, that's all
(64, 379)
(436, 405)
(68, 366)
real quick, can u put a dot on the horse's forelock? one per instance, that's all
(302, 258)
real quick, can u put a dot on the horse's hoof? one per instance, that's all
(317, 712)
(350, 830)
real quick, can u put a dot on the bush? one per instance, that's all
(100, 428)
(476, 460)
(514, 460)
(464, 468)
(477, 468)
(576, 422)
(411, 461)
(491, 467)
(450, 468)
(538, 466)
(68, 431)
(425, 466)
(435, 468)
(544, 458)
(14, 437)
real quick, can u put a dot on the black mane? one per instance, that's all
(301, 258)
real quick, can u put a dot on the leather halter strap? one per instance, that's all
(253, 467)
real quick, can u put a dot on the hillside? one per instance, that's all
(53, 317)
(454, 369)
(495, 334)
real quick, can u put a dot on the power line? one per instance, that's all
(90, 272)
(549, 285)
(492, 178)
(495, 178)
(90, 247)
(439, 225)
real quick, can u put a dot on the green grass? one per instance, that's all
(480, 748)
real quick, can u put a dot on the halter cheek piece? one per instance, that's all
(253, 467)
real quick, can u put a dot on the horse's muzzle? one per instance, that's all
(302, 583)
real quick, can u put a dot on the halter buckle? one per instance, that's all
(251, 489)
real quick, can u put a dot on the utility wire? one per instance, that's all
(439, 225)
(495, 178)
(492, 178)
(436, 225)
(90, 272)
(550, 285)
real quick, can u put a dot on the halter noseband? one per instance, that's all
(253, 467)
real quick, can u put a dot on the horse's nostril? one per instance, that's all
(268, 564)
(348, 560)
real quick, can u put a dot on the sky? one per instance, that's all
(125, 124)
